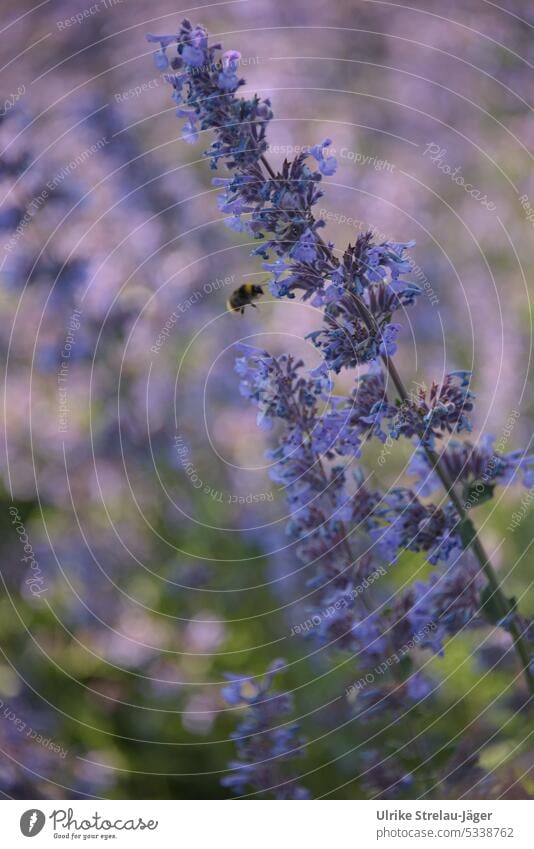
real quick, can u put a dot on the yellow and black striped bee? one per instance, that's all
(242, 297)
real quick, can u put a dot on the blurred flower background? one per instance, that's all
(147, 552)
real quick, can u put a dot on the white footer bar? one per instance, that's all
(231, 824)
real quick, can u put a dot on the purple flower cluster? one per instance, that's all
(204, 84)
(363, 289)
(346, 340)
(414, 526)
(324, 508)
(436, 412)
(476, 467)
(450, 602)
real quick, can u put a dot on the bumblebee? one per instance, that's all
(242, 297)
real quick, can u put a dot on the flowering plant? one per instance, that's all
(344, 529)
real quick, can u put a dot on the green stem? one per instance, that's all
(474, 541)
